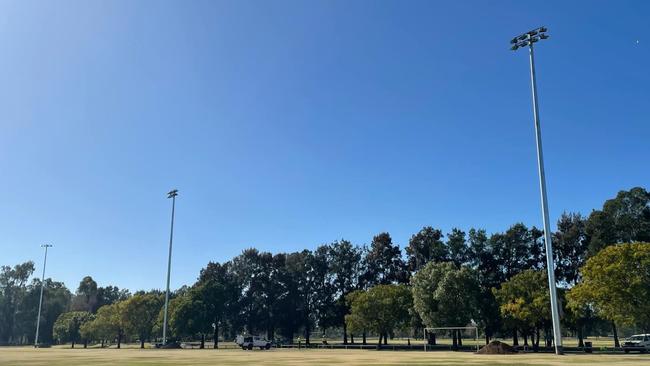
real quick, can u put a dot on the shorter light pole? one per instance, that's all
(40, 300)
(172, 194)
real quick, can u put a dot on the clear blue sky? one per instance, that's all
(287, 124)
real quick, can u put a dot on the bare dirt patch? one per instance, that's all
(497, 348)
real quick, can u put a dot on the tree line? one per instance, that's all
(496, 282)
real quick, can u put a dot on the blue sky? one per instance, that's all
(287, 124)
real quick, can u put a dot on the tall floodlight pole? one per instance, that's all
(40, 300)
(172, 194)
(528, 39)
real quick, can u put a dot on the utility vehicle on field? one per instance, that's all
(637, 342)
(249, 342)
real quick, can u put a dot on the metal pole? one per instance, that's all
(40, 300)
(169, 267)
(557, 332)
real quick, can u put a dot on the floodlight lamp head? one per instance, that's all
(543, 36)
(543, 29)
(46, 245)
(514, 40)
(172, 193)
(514, 48)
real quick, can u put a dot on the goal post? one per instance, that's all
(428, 332)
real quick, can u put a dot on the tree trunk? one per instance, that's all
(454, 340)
(352, 338)
(72, 344)
(119, 339)
(386, 338)
(141, 342)
(102, 343)
(616, 342)
(536, 340)
(202, 346)
(86, 343)
(364, 337)
(431, 338)
(460, 339)
(379, 343)
(525, 334)
(215, 345)
(515, 339)
(487, 338)
(345, 333)
(581, 342)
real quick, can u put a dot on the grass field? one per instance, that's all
(567, 342)
(26, 356)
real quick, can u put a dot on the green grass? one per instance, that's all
(27, 356)
(567, 342)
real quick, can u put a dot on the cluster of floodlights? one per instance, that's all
(528, 38)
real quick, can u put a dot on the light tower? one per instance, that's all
(40, 299)
(171, 194)
(529, 39)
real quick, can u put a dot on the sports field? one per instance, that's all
(24, 356)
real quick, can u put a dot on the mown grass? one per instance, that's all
(26, 356)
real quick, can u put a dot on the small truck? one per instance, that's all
(637, 342)
(249, 342)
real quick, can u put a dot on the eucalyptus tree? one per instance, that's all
(66, 327)
(523, 301)
(486, 267)
(345, 267)
(381, 309)
(445, 295)
(140, 313)
(623, 219)
(615, 283)
(457, 247)
(570, 247)
(56, 300)
(425, 246)
(220, 292)
(86, 296)
(13, 282)
(384, 262)
(309, 291)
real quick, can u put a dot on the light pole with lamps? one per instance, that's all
(40, 300)
(171, 194)
(529, 39)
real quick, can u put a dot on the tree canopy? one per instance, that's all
(382, 309)
(616, 283)
(524, 301)
(140, 313)
(67, 326)
(496, 281)
(445, 295)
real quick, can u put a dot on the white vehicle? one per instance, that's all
(249, 342)
(637, 342)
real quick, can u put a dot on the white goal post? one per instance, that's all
(473, 330)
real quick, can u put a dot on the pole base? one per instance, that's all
(559, 350)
